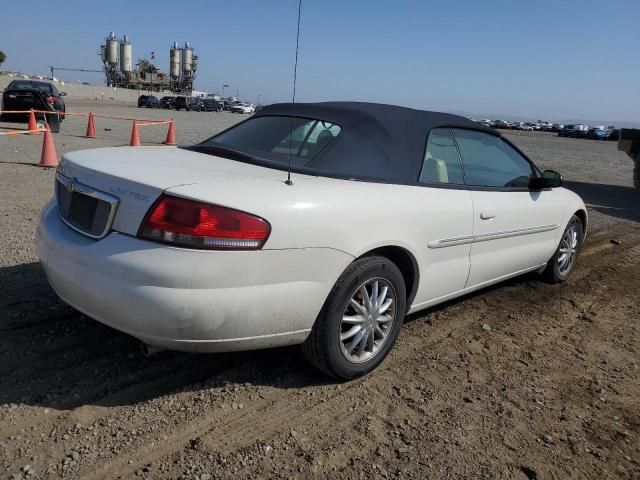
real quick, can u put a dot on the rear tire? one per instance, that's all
(54, 122)
(561, 265)
(333, 346)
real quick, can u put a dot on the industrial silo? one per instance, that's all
(187, 64)
(126, 61)
(112, 50)
(175, 58)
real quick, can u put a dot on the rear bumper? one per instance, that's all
(189, 300)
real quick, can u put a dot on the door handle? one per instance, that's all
(487, 215)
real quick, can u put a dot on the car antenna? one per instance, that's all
(293, 99)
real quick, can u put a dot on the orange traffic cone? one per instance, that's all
(135, 136)
(33, 125)
(49, 157)
(171, 134)
(91, 129)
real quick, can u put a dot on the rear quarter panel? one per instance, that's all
(320, 212)
(357, 217)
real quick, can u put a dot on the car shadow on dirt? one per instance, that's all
(613, 200)
(54, 356)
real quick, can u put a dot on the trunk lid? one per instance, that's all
(137, 176)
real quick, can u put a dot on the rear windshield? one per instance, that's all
(28, 85)
(280, 138)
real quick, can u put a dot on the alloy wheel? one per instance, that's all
(568, 248)
(367, 320)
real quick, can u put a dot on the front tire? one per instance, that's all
(360, 320)
(564, 259)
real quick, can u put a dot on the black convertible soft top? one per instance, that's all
(377, 142)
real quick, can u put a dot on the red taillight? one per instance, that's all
(51, 100)
(181, 222)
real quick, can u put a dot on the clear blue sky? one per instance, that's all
(556, 59)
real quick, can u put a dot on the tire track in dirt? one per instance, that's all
(274, 414)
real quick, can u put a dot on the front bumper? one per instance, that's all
(189, 300)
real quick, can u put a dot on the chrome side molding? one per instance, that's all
(484, 237)
(449, 242)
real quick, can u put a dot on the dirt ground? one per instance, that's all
(520, 381)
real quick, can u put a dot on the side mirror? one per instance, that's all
(63, 94)
(549, 179)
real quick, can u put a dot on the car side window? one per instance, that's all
(489, 161)
(441, 162)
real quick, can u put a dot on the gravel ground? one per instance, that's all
(494, 385)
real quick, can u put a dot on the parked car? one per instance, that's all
(188, 254)
(598, 134)
(614, 134)
(242, 108)
(566, 130)
(211, 105)
(148, 101)
(502, 124)
(188, 103)
(31, 94)
(579, 131)
(527, 127)
(486, 123)
(167, 102)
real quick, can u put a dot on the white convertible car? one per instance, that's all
(388, 210)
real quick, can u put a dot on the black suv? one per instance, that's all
(167, 102)
(148, 101)
(188, 103)
(211, 105)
